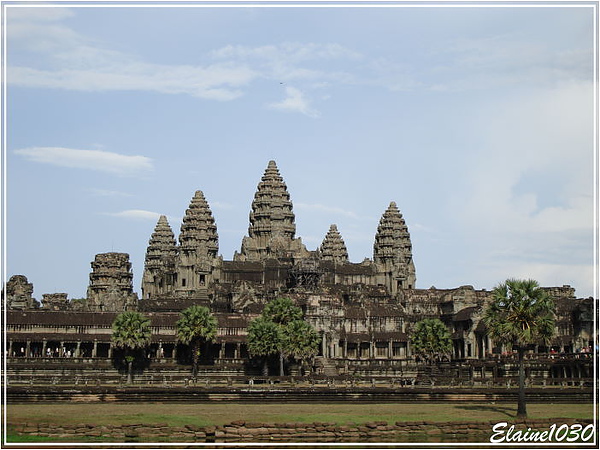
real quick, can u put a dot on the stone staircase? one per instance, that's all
(327, 366)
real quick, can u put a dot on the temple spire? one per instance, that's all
(198, 231)
(272, 222)
(159, 265)
(333, 247)
(198, 247)
(392, 250)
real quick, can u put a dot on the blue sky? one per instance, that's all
(477, 121)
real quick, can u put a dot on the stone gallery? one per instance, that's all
(363, 311)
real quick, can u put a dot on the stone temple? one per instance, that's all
(364, 311)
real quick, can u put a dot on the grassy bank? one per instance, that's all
(220, 414)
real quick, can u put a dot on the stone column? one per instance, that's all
(77, 352)
(95, 349)
(324, 346)
(160, 351)
(238, 351)
(174, 352)
(28, 349)
(390, 350)
(222, 351)
(110, 350)
(44, 347)
(10, 345)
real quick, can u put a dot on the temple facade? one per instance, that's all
(364, 311)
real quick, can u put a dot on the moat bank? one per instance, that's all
(242, 431)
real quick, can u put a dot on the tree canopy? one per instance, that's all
(196, 324)
(281, 330)
(131, 331)
(300, 340)
(520, 314)
(431, 339)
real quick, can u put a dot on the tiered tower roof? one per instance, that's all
(198, 230)
(392, 241)
(272, 221)
(162, 247)
(272, 208)
(333, 247)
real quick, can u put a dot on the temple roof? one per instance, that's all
(333, 247)
(198, 230)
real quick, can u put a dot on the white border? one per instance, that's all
(304, 4)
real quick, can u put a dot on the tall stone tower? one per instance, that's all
(392, 251)
(198, 247)
(159, 268)
(272, 229)
(333, 247)
(111, 284)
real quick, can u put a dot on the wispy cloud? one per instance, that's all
(295, 101)
(109, 193)
(138, 214)
(65, 59)
(324, 208)
(142, 214)
(114, 163)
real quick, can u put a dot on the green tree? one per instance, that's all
(263, 340)
(300, 341)
(195, 326)
(131, 332)
(520, 314)
(281, 311)
(431, 339)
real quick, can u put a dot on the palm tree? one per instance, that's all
(431, 339)
(300, 341)
(263, 340)
(281, 311)
(131, 331)
(520, 314)
(196, 324)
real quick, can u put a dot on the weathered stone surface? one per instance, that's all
(111, 284)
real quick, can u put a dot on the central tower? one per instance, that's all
(272, 229)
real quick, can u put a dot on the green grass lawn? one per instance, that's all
(203, 414)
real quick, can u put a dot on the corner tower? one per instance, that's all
(272, 229)
(111, 284)
(392, 251)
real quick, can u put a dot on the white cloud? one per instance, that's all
(295, 102)
(221, 205)
(211, 83)
(535, 147)
(137, 214)
(324, 208)
(37, 13)
(508, 60)
(293, 52)
(60, 58)
(109, 193)
(115, 163)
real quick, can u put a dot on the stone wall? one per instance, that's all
(241, 431)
